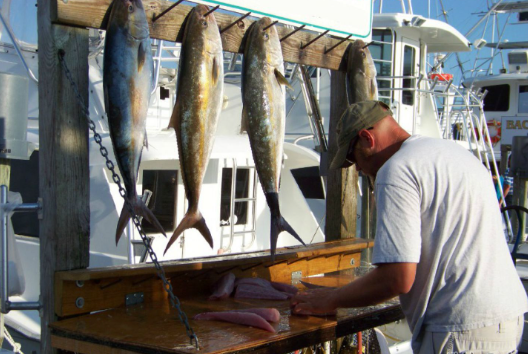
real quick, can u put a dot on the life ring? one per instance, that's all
(494, 129)
(441, 77)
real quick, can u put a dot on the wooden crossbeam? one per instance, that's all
(93, 14)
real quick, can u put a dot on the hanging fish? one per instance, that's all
(264, 115)
(198, 105)
(127, 80)
(361, 74)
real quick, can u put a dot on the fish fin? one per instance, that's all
(196, 221)
(244, 123)
(204, 230)
(142, 210)
(216, 71)
(281, 79)
(142, 56)
(278, 223)
(124, 217)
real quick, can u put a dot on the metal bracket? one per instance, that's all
(296, 275)
(134, 298)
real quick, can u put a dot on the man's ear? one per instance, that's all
(366, 137)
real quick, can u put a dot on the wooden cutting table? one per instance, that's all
(103, 323)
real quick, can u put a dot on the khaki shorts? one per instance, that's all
(503, 338)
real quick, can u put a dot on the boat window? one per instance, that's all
(241, 191)
(24, 179)
(381, 52)
(409, 54)
(309, 181)
(163, 185)
(523, 98)
(497, 99)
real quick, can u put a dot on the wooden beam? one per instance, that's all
(64, 172)
(341, 198)
(91, 13)
(102, 294)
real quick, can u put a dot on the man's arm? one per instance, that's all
(382, 283)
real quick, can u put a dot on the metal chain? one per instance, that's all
(175, 302)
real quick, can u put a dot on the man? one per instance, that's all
(439, 240)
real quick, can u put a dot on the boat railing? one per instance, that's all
(232, 216)
(7, 305)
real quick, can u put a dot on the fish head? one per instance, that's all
(360, 60)
(202, 27)
(264, 39)
(130, 14)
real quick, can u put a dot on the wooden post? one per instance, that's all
(341, 200)
(64, 172)
(368, 217)
(5, 171)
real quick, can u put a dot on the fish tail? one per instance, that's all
(278, 223)
(191, 220)
(141, 210)
(124, 217)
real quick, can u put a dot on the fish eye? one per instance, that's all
(204, 23)
(265, 36)
(130, 8)
(363, 54)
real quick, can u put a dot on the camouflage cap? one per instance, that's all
(358, 116)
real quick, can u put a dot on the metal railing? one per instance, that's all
(4, 261)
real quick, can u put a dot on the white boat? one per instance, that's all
(234, 206)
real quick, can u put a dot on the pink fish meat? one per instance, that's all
(270, 314)
(223, 287)
(289, 290)
(249, 291)
(286, 288)
(243, 318)
(254, 281)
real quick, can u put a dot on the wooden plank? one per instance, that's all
(239, 259)
(75, 346)
(5, 172)
(64, 175)
(152, 328)
(341, 199)
(101, 294)
(91, 13)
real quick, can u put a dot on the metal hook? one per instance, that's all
(272, 24)
(292, 32)
(234, 23)
(211, 11)
(164, 12)
(333, 47)
(316, 38)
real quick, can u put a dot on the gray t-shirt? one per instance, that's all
(436, 206)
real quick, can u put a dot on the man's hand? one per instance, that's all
(314, 302)
(384, 282)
